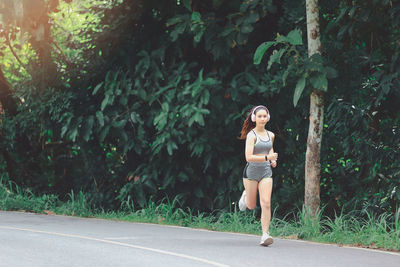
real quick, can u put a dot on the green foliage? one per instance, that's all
(145, 98)
(301, 83)
(308, 70)
(14, 198)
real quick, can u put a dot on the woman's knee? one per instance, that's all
(265, 204)
(251, 207)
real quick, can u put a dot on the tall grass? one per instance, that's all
(367, 230)
(12, 197)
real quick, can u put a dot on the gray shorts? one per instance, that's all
(257, 171)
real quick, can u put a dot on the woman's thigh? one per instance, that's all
(265, 191)
(251, 187)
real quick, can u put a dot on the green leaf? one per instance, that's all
(182, 177)
(111, 82)
(331, 73)
(198, 192)
(342, 31)
(294, 37)
(276, 57)
(204, 111)
(119, 124)
(100, 118)
(319, 82)
(197, 84)
(179, 29)
(165, 107)
(142, 94)
(104, 103)
(64, 129)
(261, 49)
(205, 97)
(210, 81)
(352, 11)
(133, 117)
(246, 28)
(173, 21)
(299, 90)
(199, 34)
(191, 121)
(123, 100)
(168, 180)
(97, 88)
(285, 75)
(171, 146)
(198, 117)
(281, 39)
(187, 4)
(104, 133)
(73, 128)
(342, 13)
(196, 17)
(252, 18)
(160, 120)
(197, 149)
(87, 128)
(73, 134)
(228, 30)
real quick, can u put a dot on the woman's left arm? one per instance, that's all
(273, 162)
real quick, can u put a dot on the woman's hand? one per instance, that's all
(273, 156)
(273, 163)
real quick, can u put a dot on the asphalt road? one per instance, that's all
(28, 239)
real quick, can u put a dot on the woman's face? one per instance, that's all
(261, 117)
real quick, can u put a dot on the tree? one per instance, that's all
(313, 158)
(309, 71)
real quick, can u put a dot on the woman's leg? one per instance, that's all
(251, 193)
(265, 191)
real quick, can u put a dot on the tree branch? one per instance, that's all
(13, 52)
(60, 50)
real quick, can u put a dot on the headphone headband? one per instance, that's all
(253, 113)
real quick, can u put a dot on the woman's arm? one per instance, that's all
(273, 162)
(272, 135)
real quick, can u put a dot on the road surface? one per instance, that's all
(28, 239)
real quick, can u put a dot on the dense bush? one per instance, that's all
(150, 99)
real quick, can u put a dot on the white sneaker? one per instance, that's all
(266, 240)
(242, 202)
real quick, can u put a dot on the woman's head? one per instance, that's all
(258, 115)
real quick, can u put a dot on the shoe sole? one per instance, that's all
(267, 242)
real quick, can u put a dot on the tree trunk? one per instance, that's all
(313, 164)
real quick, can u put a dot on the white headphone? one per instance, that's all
(253, 113)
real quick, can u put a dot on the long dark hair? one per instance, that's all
(248, 125)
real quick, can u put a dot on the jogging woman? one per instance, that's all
(257, 173)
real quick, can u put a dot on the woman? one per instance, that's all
(257, 174)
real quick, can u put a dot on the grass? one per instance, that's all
(382, 232)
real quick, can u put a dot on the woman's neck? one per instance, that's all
(259, 129)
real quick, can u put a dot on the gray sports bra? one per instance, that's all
(261, 146)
